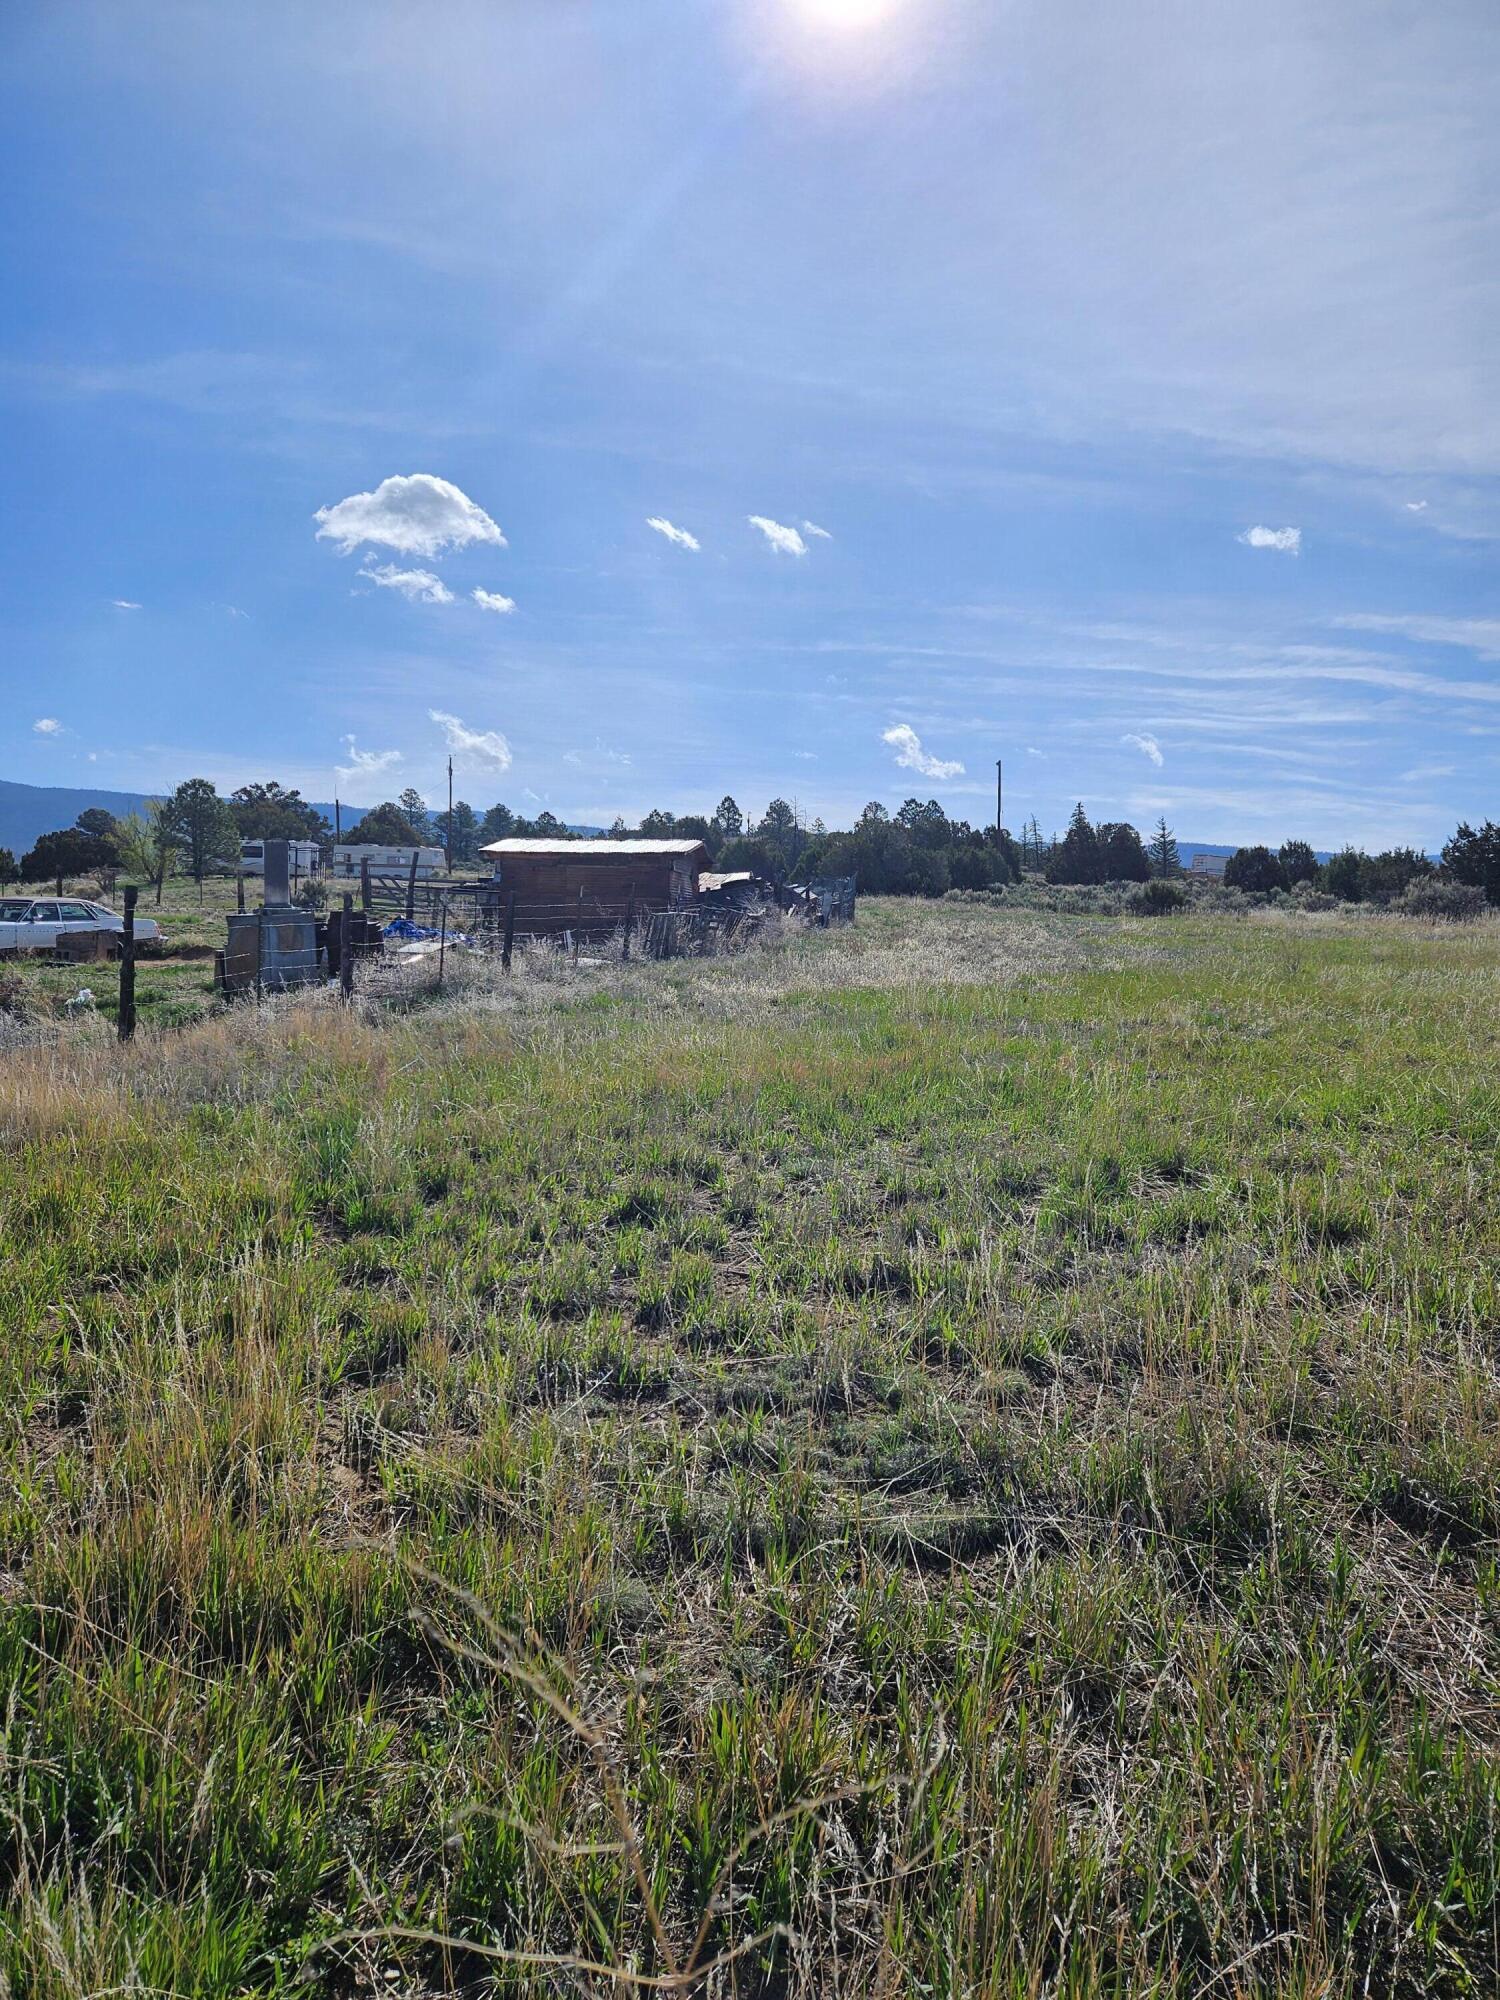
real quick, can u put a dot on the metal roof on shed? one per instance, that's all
(592, 850)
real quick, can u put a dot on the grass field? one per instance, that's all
(956, 1458)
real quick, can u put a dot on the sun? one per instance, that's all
(844, 16)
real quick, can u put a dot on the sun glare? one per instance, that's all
(844, 16)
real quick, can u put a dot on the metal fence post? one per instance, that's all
(411, 887)
(126, 1011)
(442, 942)
(346, 949)
(510, 931)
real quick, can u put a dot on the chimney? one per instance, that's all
(278, 873)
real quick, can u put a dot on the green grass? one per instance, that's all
(962, 1458)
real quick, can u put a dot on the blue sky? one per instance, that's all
(1037, 308)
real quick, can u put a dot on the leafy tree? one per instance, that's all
(276, 812)
(414, 812)
(386, 826)
(499, 823)
(618, 830)
(465, 831)
(1076, 857)
(1122, 858)
(70, 851)
(8, 872)
(146, 847)
(1256, 870)
(730, 818)
(547, 826)
(1166, 862)
(1385, 876)
(874, 814)
(100, 825)
(927, 824)
(202, 825)
(1299, 861)
(658, 825)
(1344, 875)
(1474, 857)
(781, 833)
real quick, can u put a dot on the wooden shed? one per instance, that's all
(597, 878)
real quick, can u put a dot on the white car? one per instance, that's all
(29, 923)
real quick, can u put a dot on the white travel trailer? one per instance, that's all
(389, 860)
(303, 857)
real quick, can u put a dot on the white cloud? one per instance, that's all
(786, 541)
(124, 604)
(366, 763)
(907, 745)
(678, 535)
(1147, 745)
(1287, 540)
(419, 515)
(1032, 751)
(491, 600)
(600, 754)
(479, 749)
(47, 725)
(417, 586)
(1416, 506)
(1478, 635)
(812, 528)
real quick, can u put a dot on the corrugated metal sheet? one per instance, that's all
(591, 850)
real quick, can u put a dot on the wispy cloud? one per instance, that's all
(1420, 773)
(673, 534)
(47, 725)
(1478, 635)
(478, 749)
(366, 763)
(417, 586)
(124, 604)
(1032, 751)
(417, 515)
(1416, 506)
(812, 528)
(1287, 540)
(786, 541)
(491, 600)
(1147, 745)
(907, 745)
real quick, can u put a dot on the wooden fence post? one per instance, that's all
(629, 915)
(442, 942)
(510, 931)
(364, 882)
(239, 892)
(411, 888)
(346, 949)
(126, 1010)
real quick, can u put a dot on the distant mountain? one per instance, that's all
(29, 810)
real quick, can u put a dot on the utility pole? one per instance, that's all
(999, 799)
(338, 826)
(450, 816)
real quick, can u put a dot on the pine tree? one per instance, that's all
(1165, 860)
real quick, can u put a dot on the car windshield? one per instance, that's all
(13, 908)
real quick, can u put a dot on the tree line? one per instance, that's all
(917, 850)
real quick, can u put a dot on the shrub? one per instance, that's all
(1158, 898)
(1307, 896)
(1443, 901)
